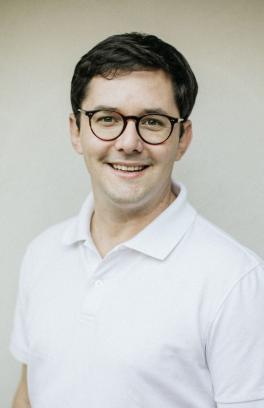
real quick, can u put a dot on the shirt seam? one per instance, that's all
(226, 297)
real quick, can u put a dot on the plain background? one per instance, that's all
(42, 181)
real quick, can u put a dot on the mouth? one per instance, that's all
(129, 170)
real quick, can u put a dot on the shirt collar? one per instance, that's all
(156, 240)
(79, 229)
(167, 230)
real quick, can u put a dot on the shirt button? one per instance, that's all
(98, 283)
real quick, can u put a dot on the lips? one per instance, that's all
(128, 167)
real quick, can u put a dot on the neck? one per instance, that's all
(111, 225)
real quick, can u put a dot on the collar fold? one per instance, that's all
(163, 234)
(156, 240)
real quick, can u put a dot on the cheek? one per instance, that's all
(94, 149)
(166, 154)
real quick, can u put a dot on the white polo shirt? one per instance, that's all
(172, 318)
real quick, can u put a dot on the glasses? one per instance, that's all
(153, 128)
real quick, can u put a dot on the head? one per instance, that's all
(132, 74)
(124, 53)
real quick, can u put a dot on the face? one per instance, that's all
(127, 172)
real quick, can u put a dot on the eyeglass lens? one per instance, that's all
(153, 128)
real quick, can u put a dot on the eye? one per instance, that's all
(106, 118)
(155, 122)
(152, 122)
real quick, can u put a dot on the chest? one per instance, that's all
(131, 317)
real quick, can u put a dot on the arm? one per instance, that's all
(21, 399)
(234, 349)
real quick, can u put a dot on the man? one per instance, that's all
(138, 301)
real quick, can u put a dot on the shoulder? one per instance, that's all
(221, 240)
(52, 238)
(45, 251)
(220, 252)
(221, 270)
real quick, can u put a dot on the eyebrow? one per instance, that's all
(105, 108)
(143, 112)
(155, 110)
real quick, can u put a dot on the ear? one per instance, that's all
(185, 140)
(75, 134)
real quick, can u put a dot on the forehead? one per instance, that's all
(132, 91)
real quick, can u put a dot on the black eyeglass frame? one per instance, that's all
(137, 119)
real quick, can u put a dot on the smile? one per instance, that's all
(128, 168)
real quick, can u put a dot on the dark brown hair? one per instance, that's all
(133, 52)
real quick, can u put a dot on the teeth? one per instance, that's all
(127, 168)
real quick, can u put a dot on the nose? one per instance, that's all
(129, 141)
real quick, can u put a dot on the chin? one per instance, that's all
(128, 201)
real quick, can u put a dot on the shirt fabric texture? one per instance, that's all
(172, 318)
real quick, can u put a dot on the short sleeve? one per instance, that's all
(19, 340)
(235, 345)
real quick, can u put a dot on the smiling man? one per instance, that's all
(137, 301)
(135, 121)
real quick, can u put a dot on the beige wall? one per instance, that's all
(42, 181)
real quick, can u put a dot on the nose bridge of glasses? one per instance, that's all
(129, 138)
(136, 119)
